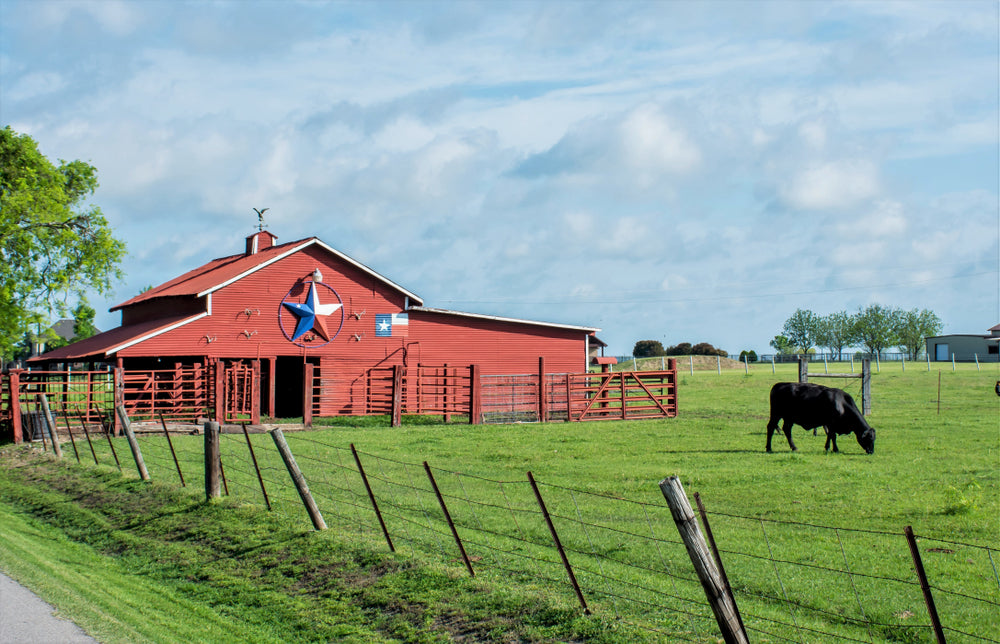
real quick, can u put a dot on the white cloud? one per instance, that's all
(833, 185)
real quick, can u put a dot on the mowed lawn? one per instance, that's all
(935, 468)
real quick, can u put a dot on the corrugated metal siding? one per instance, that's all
(498, 347)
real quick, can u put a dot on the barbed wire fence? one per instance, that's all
(794, 582)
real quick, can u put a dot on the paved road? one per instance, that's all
(26, 619)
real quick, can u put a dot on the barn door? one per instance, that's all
(241, 396)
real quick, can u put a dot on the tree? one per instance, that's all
(83, 321)
(781, 344)
(648, 349)
(800, 329)
(748, 356)
(681, 349)
(913, 327)
(835, 331)
(706, 349)
(875, 327)
(53, 243)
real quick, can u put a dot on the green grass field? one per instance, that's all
(812, 541)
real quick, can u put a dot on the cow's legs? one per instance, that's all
(787, 428)
(772, 425)
(831, 437)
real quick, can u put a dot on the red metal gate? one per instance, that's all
(624, 395)
(242, 396)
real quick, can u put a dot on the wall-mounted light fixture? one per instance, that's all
(317, 275)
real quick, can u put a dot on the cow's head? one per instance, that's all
(866, 440)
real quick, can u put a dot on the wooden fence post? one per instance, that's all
(371, 497)
(722, 603)
(475, 395)
(213, 485)
(14, 385)
(118, 395)
(307, 394)
(133, 444)
(220, 391)
(803, 369)
(298, 479)
(50, 424)
(866, 387)
(397, 395)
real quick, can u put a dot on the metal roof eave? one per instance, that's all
(497, 318)
(326, 247)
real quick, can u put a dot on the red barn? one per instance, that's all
(265, 314)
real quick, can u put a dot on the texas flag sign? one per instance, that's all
(394, 325)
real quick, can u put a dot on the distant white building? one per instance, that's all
(965, 347)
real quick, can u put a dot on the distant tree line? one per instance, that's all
(875, 327)
(654, 348)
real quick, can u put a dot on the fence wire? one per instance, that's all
(794, 582)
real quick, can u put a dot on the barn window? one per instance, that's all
(993, 348)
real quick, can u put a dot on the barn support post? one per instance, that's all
(307, 394)
(133, 444)
(13, 382)
(300, 481)
(213, 462)
(541, 407)
(803, 369)
(397, 395)
(272, 364)
(50, 424)
(475, 395)
(722, 603)
(866, 387)
(924, 586)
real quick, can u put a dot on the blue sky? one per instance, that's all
(675, 171)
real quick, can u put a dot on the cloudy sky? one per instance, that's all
(672, 170)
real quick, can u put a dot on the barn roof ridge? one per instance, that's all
(498, 318)
(223, 271)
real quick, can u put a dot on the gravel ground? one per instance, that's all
(26, 619)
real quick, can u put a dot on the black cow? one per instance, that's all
(812, 406)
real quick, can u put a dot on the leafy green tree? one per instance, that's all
(52, 242)
(876, 328)
(782, 344)
(680, 349)
(706, 349)
(913, 327)
(648, 349)
(748, 356)
(83, 321)
(800, 329)
(835, 331)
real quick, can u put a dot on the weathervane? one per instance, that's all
(260, 218)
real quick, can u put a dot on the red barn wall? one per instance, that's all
(244, 318)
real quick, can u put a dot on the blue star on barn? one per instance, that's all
(311, 314)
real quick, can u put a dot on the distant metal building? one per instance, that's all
(965, 347)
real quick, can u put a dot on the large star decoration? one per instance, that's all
(310, 315)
